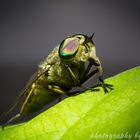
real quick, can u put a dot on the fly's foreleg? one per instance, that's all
(88, 76)
(104, 85)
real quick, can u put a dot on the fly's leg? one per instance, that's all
(74, 93)
(88, 76)
(104, 85)
(85, 78)
(87, 70)
(56, 89)
(99, 67)
(14, 118)
(11, 120)
(74, 78)
(98, 70)
(79, 82)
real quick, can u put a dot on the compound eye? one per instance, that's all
(68, 47)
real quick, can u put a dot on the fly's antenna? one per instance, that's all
(91, 36)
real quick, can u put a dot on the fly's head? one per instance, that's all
(77, 48)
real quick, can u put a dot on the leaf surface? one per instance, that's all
(90, 115)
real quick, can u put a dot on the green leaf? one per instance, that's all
(90, 115)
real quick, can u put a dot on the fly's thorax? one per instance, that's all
(60, 75)
(51, 59)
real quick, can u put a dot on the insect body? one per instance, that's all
(63, 69)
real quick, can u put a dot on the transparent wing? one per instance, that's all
(34, 78)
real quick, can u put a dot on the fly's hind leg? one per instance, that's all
(11, 120)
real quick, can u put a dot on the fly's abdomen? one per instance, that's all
(36, 98)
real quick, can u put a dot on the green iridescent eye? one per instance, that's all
(68, 47)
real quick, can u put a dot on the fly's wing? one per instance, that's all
(35, 77)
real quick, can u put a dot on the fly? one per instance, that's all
(64, 68)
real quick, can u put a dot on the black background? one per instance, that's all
(29, 30)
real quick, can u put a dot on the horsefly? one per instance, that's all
(64, 68)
